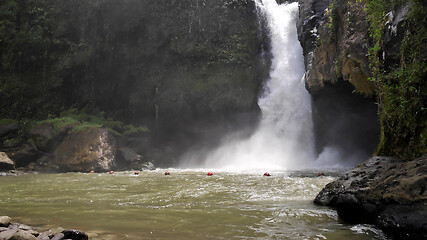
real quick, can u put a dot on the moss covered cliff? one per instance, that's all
(373, 48)
(187, 70)
(398, 60)
(136, 60)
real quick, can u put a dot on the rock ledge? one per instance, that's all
(385, 191)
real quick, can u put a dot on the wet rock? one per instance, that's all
(58, 236)
(18, 231)
(50, 233)
(128, 158)
(6, 235)
(22, 235)
(5, 162)
(92, 148)
(386, 191)
(14, 225)
(148, 166)
(405, 222)
(43, 238)
(24, 227)
(4, 221)
(75, 234)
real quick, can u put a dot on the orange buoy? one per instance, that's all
(210, 173)
(167, 173)
(111, 172)
(267, 174)
(92, 171)
(136, 173)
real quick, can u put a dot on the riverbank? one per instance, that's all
(16, 231)
(388, 192)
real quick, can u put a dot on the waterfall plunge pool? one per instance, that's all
(188, 204)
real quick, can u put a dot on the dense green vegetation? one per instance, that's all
(29, 52)
(135, 60)
(401, 84)
(74, 120)
(170, 68)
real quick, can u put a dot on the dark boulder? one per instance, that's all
(75, 234)
(127, 157)
(385, 191)
(7, 126)
(25, 155)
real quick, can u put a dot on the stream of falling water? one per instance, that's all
(284, 138)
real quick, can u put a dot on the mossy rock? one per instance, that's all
(86, 149)
(8, 125)
(48, 133)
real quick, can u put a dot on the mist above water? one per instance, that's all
(284, 138)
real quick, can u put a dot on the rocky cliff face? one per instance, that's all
(335, 39)
(385, 191)
(173, 65)
(188, 69)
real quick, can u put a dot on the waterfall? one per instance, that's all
(284, 138)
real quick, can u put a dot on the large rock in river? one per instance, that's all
(91, 148)
(5, 162)
(385, 191)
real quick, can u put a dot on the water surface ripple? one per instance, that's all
(185, 205)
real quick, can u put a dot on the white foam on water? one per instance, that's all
(284, 138)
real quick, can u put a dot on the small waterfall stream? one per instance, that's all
(284, 138)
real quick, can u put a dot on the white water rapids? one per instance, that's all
(284, 138)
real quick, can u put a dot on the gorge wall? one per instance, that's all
(188, 70)
(335, 39)
(361, 52)
(185, 72)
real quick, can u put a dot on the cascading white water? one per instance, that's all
(284, 138)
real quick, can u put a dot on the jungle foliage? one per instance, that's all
(402, 84)
(132, 59)
(29, 48)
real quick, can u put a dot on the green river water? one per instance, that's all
(188, 204)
